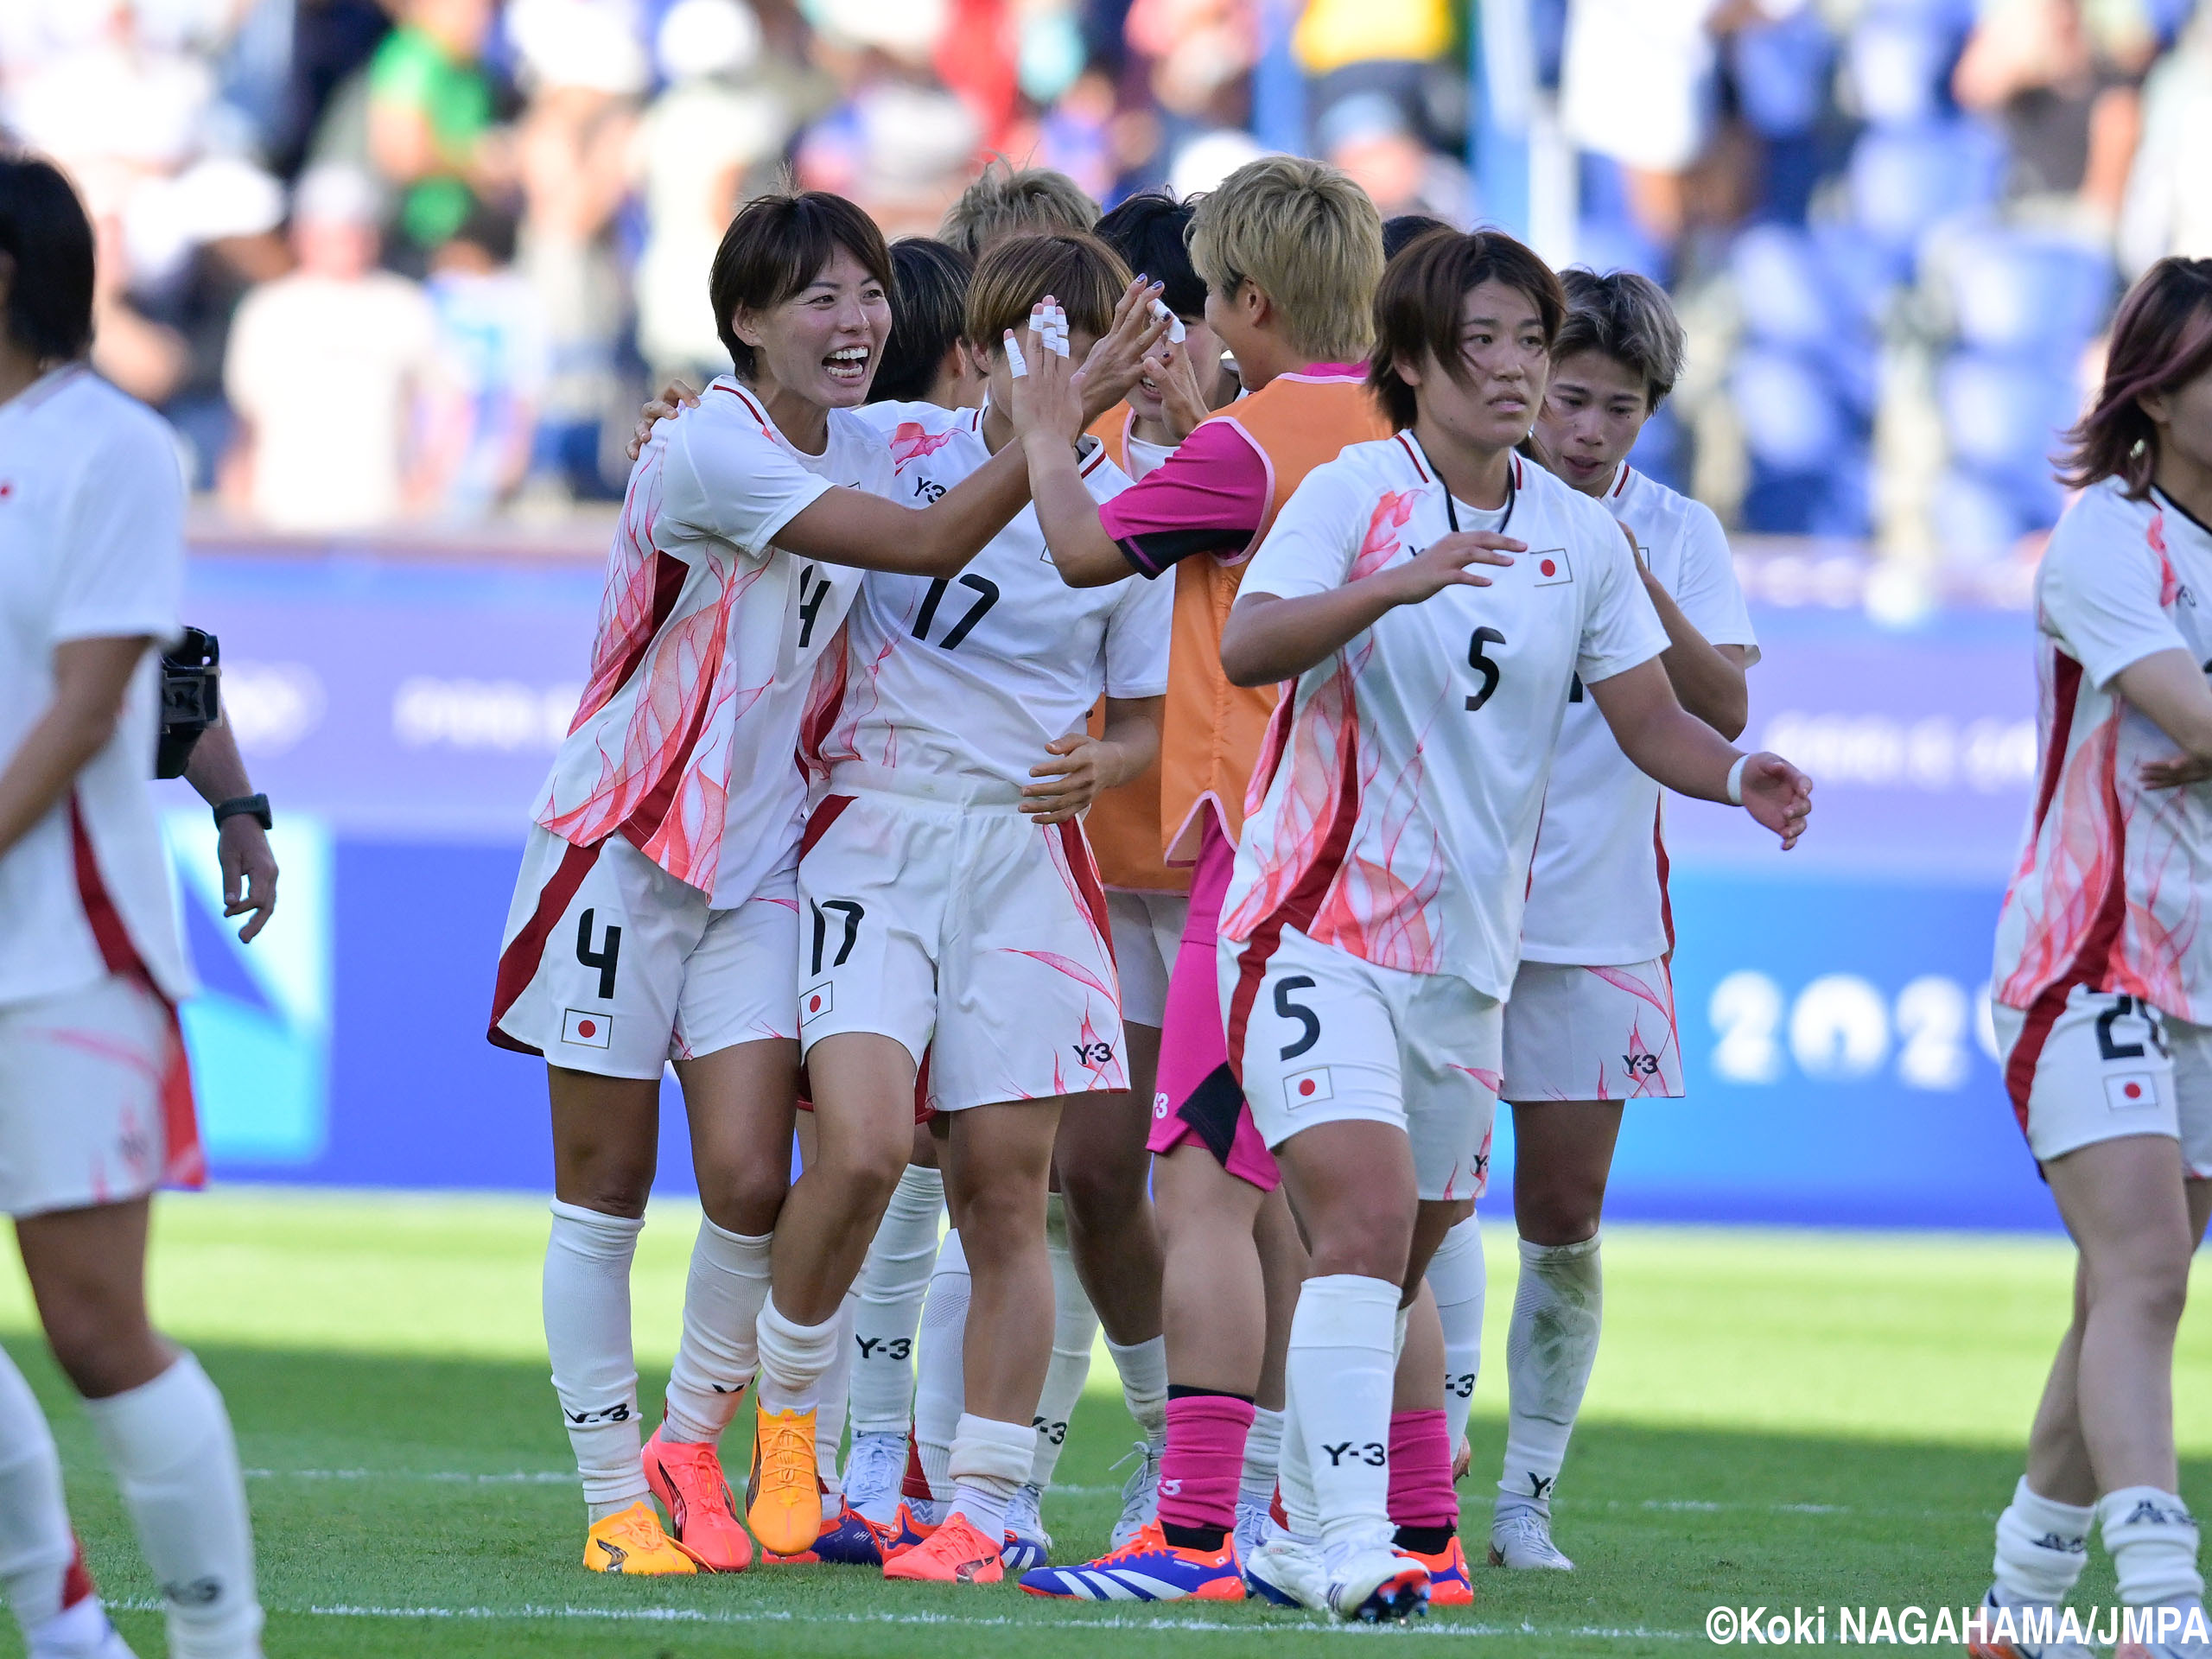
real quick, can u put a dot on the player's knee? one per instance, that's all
(1560, 1216)
(869, 1170)
(101, 1351)
(1101, 1195)
(748, 1200)
(2149, 1282)
(1372, 1241)
(1001, 1215)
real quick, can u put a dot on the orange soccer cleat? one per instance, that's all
(1450, 1585)
(688, 1480)
(783, 1498)
(955, 1554)
(630, 1541)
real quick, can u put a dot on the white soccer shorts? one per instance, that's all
(1591, 1034)
(1148, 931)
(86, 1079)
(935, 913)
(1321, 1036)
(613, 966)
(2103, 1065)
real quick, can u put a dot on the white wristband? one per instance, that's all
(1736, 781)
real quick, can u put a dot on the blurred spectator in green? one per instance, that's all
(430, 132)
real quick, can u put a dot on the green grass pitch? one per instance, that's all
(1779, 1419)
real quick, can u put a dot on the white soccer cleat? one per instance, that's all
(1287, 1570)
(83, 1639)
(1373, 1584)
(2188, 1641)
(873, 1471)
(1994, 1644)
(1139, 1493)
(1027, 1544)
(1522, 1539)
(1252, 1520)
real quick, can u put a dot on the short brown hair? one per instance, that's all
(775, 246)
(1085, 276)
(1003, 202)
(1417, 308)
(1628, 318)
(1305, 236)
(2162, 338)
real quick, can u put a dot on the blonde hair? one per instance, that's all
(1003, 202)
(1081, 272)
(1305, 236)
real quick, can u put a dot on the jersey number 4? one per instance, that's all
(987, 596)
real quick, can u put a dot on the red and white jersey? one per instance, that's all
(973, 677)
(92, 547)
(1394, 810)
(2111, 888)
(686, 741)
(1597, 893)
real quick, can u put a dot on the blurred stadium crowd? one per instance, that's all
(382, 260)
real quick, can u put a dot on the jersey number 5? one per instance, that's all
(1483, 665)
(988, 592)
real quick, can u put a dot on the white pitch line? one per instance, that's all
(449, 1476)
(962, 1621)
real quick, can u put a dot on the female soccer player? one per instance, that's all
(655, 916)
(1591, 1023)
(2104, 972)
(955, 911)
(1371, 929)
(95, 1101)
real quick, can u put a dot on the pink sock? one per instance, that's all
(1421, 1471)
(1204, 1461)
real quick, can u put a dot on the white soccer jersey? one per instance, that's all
(1394, 809)
(973, 677)
(2110, 891)
(1597, 893)
(686, 740)
(92, 546)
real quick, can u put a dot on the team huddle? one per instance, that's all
(1141, 763)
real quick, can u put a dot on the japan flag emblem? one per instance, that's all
(1306, 1088)
(816, 1002)
(1552, 568)
(2130, 1092)
(587, 1030)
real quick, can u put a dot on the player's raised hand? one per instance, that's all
(1183, 402)
(1118, 360)
(673, 396)
(1778, 795)
(1072, 780)
(1048, 390)
(1449, 562)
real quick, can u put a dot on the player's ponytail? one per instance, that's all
(2161, 339)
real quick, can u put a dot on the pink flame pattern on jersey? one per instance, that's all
(911, 442)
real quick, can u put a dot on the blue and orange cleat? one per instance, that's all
(907, 1531)
(1147, 1568)
(850, 1539)
(955, 1554)
(688, 1480)
(1449, 1583)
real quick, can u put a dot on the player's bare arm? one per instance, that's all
(1083, 767)
(1668, 743)
(249, 867)
(1270, 638)
(2171, 691)
(91, 677)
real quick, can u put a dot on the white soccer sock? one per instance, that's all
(2042, 1545)
(1340, 1372)
(36, 1544)
(1549, 1350)
(587, 1339)
(1262, 1458)
(1301, 1510)
(990, 1459)
(1143, 1366)
(891, 1283)
(716, 1358)
(169, 1443)
(1075, 1323)
(794, 1358)
(940, 1380)
(1457, 1276)
(2152, 1539)
(830, 1413)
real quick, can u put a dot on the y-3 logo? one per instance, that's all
(892, 1348)
(1094, 1053)
(1374, 1453)
(1641, 1065)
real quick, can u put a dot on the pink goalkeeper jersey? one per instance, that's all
(686, 742)
(1393, 811)
(2112, 885)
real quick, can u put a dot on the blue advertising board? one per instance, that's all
(401, 715)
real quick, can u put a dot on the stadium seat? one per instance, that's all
(2018, 293)
(1782, 73)
(1906, 180)
(1793, 420)
(1787, 296)
(1974, 518)
(1898, 60)
(2002, 416)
